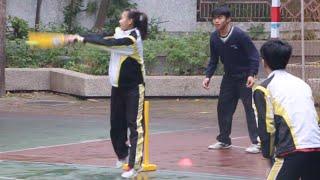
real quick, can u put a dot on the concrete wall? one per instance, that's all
(311, 47)
(18, 79)
(79, 84)
(84, 85)
(51, 12)
(176, 15)
(180, 14)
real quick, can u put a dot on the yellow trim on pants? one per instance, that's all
(275, 169)
(140, 130)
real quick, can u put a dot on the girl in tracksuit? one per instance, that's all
(127, 74)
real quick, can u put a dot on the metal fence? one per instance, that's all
(259, 10)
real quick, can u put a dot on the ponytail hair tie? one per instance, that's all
(140, 17)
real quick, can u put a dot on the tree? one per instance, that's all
(2, 45)
(114, 11)
(70, 12)
(102, 15)
(37, 21)
(70, 17)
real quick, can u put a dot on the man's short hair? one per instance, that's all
(276, 54)
(221, 11)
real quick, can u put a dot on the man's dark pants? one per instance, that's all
(233, 87)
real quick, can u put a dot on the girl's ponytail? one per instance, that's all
(140, 21)
(143, 25)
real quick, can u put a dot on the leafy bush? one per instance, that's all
(78, 58)
(115, 9)
(309, 35)
(91, 7)
(88, 60)
(19, 27)
(257, 32)
(185, 55)
(70, 13)
(153, 29)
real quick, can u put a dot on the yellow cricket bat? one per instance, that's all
(46, 39)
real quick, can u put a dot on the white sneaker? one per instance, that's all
(253, 149)
(121, 162)
(129, 174)
(219, 145)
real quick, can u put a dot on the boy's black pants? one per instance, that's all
(233, 88)
(304, 165)
(127, 112)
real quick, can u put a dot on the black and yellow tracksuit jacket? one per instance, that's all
(126, 67)
(286, 115)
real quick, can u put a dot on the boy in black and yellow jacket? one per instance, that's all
(288, 123)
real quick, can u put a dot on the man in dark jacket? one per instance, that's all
(240, 58)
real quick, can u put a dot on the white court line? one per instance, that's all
(240, 147)
(9, 178)
(59, 145)
(181, 130)
(59, 164)
(240, 137)
(98, 140)
(95, 140)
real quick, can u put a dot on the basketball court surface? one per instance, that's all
(50, 136)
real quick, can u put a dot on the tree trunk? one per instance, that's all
(102, 14)
(71, 20)
(37, 21)
(2, 46)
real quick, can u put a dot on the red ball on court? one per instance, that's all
(185, 162)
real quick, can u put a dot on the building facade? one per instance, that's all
(181, 15)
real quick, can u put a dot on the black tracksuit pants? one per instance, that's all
(233, 88)
(295, 166)
(127, 112)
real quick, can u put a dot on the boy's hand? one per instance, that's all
(205, 83)
(250, 81)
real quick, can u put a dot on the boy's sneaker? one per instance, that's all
(130, 173)
(219, 145)
(121, 162)
(253, 149)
